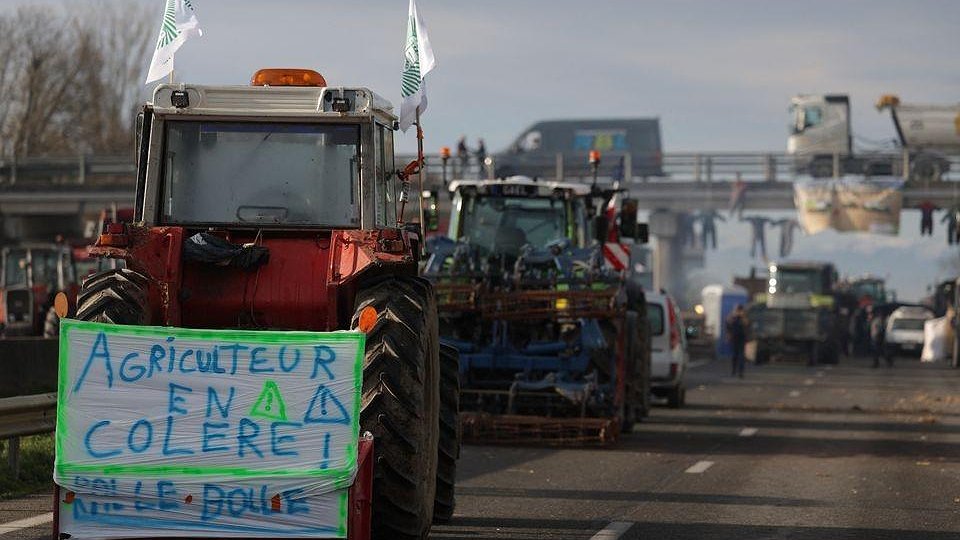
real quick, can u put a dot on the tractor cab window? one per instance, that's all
(261, 174)
(798, 281)
(44, 267)
(15, 267)
(386, 188)
(499, 224)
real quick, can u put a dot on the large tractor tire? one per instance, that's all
(51, 324)
(401, 404)
(449, 447)
(117, 296)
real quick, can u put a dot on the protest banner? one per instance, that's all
(850, 205)
(184, 432)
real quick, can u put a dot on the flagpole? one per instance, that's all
(423, 226)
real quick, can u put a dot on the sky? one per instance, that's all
(718, 74)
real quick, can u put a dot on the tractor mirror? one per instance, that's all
(628, 218)
(431, 210)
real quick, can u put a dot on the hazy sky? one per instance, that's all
(718, 74)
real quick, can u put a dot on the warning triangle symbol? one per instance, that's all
(325, 408)
(270, 404)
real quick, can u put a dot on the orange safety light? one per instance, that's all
(367, 319)
(287, 77)
(445, 152)
(594, 157)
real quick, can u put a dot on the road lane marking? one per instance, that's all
(794, 393)
(614, 530)
(748, 432)
(699, 467)
(808, 382)
(35, 521)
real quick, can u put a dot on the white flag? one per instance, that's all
(179, 23)
(418, 60)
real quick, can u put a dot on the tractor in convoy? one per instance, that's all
(801, 315)
(553, 339)
(33, 274)
(278, 206)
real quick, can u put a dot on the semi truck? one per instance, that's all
(822, 140)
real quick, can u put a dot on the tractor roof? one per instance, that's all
(547, 187)
(273, 101)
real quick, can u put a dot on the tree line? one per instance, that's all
(71, 77)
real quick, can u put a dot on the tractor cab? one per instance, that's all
(242, 190)
(32, 275)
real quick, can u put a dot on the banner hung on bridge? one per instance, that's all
(850, 205)
(215, 433)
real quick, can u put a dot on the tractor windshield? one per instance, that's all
(798, 281)
(499, 224)
(261, 173)
(15, 267)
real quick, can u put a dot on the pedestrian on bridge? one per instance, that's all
(738, 196)
(481, 154)
(927, 209)
(787, 226)
(463, 156)
(736, 327)
(951, 219)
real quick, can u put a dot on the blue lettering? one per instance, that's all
(137, 370)
(183, 358)
(254, 361)
(89, 435)
(157, 353)
(99, 350)
(243, 439)
(235, 348)
(173, 399)
(167, 451)
(163, 503)
(295, 504)
(212, 497)
(212, 398)
(172, 356)
(139, 505)
(147, 439)
(208, 436)
(245, 501)
(323, 355)
(296, 359)
(204, 367)
(276, 440)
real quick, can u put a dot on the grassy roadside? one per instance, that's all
(36, 467)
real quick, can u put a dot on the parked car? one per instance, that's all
(905, 329)
(668, 349)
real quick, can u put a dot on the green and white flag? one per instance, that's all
(418, 60)
(179, 23)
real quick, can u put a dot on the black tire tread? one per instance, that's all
(116, 296)
(449, 446)
(394, 408)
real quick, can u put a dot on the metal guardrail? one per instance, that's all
(119, 171)
(22, 416)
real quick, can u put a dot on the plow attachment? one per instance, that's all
(483, 428)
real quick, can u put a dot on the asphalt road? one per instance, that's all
(789, 452)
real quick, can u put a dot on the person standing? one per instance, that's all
(738, 196)
(759, 240)
(878, 339)
(951, 220)
(927, 209)
(708, 227)
(481, 154)
(463, 156)
(737, 332)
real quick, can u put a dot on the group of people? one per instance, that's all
(951, 219)
(463, 158)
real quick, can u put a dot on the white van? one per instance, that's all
(668, 344)
(904, 333)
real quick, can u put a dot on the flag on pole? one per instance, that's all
(418, 60)
(179, 23)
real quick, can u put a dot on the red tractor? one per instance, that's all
(32, 274)
(277, 206)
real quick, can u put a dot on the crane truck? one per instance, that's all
(821, 138)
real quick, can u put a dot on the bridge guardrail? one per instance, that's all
(119, 171)
(21, 416)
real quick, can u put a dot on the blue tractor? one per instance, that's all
(553, 338)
